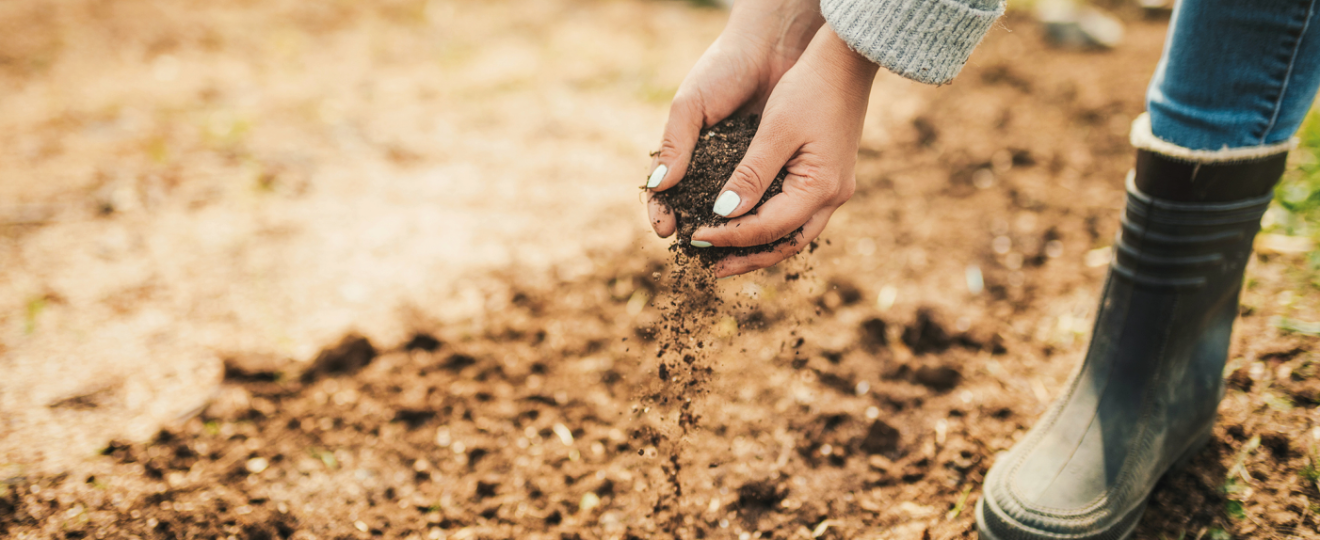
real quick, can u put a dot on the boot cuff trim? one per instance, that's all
(1143, 138)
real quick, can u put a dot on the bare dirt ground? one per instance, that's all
(377, 385)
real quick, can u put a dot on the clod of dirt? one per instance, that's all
(414, 418)
(839, 293)
(874, 336)
(1240, 379)
(252, 368)
(422, 342)
(1305, 392)
(761, 493)
(486, 490)
(881, 438)
(926, 335)
(352, 354)
(719, 150)
(458, 361)
(89, 399)
(938, 378)
(1278, 444)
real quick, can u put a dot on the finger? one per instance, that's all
(661, 217)
(771, 148)
(732, 266)
(686, 118)
(780, 215)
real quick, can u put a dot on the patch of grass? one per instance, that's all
(326, 457)
(1297, 327)
(34, 308)
(1298, 195)
(1278, 402)
(1296, 208)
(1311, 471)
(1234, 509)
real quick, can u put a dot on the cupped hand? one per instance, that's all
(811, 126)
(761, 42)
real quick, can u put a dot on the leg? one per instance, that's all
(1236, 73)
(1236, 80)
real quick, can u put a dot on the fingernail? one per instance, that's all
(726, 203)
(701, 244)
(723, 278)
(656, 176)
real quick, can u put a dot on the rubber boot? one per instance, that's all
(1147, 394)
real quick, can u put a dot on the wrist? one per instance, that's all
(839, 64)
(782, 27)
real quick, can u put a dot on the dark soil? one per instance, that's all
(864, 399)
(719, 150)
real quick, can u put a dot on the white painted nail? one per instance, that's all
(701, 244)
(657, 176)
(726, 203)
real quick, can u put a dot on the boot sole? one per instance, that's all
(984, 533)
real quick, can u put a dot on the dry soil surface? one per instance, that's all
(859, 391)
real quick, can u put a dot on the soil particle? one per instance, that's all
(422, 342)
(1240, 379)
(926, 335)
(938, 378)
(761, 493)
(457, 361)
(874, 334)
(1278, 444)
(252, 368)
(882, 439)
(719, 150)
(352, 354)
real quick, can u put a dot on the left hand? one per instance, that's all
(811, 126)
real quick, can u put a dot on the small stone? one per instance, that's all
(938, 378)
(881, 438)
(589, 501)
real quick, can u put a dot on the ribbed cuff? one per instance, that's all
(924, 40)
(1142, 137)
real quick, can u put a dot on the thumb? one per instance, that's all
(686, 118)
(771, 148)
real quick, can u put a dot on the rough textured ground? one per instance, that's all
(183, 182)
(860, 392)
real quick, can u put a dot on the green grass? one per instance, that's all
(1296, 209)
(34, 308)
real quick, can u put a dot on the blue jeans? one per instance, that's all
(1236, 73)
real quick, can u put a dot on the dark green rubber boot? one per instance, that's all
(1147, 393)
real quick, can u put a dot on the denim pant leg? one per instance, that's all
(1236, 73)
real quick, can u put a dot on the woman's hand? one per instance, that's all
(811, 125)
(761, 42)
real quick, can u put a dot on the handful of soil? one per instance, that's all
(719, 150)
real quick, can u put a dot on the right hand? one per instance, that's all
(763, 39)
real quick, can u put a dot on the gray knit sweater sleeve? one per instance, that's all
(924, 40)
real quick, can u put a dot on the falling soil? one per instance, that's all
(719, 150)
(864, 399)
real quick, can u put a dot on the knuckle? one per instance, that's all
(818, 185)
(669, 148)
(756, 236)
(745, 176)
